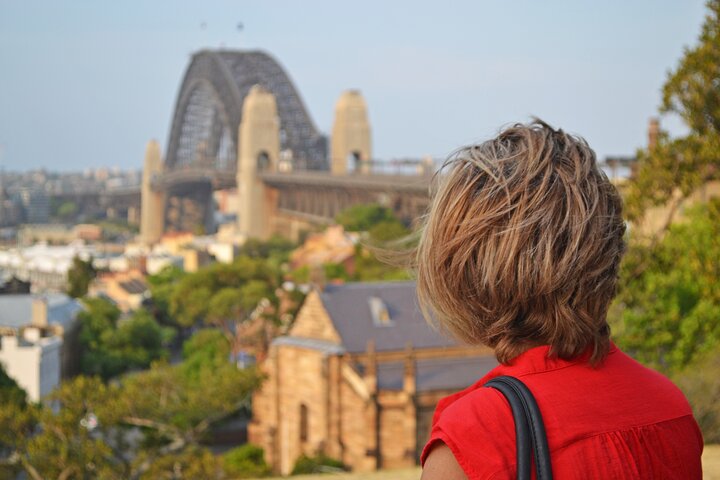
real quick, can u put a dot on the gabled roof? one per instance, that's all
(351, 309)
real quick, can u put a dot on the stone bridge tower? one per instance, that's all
(258, 151)
(350, 141)
(152, 203)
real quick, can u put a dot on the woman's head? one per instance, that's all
(522, 244)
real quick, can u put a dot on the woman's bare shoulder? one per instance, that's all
(442, 465)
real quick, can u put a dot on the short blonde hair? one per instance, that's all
(522, 245)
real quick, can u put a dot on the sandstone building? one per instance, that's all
(357, 378)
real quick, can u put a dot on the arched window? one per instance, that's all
(353, 162)
(263, 161)
(303, 422)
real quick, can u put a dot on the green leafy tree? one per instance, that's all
(369, 268)
(80, 275)
(668, 296)
(667, 311)
(161, 287)
(145, 425)
(15, 413)
(677, 167)
(361, 218)
(111, 347)
(388, 230)
(220, 293)
(670, 310)
(192, 462)
(10, 391)
(53, 443)
(67, 210)
(276, 250)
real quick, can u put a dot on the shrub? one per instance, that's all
(247, 461)
(318, 464)
(700, 382)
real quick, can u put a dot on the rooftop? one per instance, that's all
(16, 309)
(351, 308)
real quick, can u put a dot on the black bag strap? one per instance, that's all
(529, 428)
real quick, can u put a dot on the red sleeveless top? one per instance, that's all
(620, 420)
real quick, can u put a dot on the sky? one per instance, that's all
(85, 84)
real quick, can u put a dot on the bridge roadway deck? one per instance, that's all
(418, 184)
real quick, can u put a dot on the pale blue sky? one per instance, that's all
(87, 83)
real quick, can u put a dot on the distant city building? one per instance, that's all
(357, 378)
(156, 263)
(58, 234)
(10, 210)
(36, 205)
(39, 343)
(332, 246)
(32, 361)
(10, 284)
(45, 266)
(126, 290)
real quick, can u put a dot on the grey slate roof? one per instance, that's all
(16, 310)
(350, 311)
(437, 373)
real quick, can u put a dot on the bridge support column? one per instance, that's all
(152, 203)
(258, 151)
(350, 141)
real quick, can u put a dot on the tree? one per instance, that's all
(676, 167)
(667, 311)
(14, 413)
(67, 210)
(161, 286)
(275, 247)
(111, 347)
(210, 294)
(10, 391)
(361, 218)
(80, 275)
(388, 230)
(670, 310)
(145, 425)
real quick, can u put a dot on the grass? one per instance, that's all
(711, 471)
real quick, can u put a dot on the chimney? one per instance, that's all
(653, 132)
(39, 312)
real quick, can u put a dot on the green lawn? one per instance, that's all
(711, 470)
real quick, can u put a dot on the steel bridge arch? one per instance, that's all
(208, 111)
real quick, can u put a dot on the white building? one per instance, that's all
(39, 340)
(33, 361)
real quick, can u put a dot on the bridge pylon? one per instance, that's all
(152, 202)
(258, 151)
(350, 142)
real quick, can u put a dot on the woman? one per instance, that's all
(520, 252)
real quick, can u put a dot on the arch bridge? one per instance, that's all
(299, 182)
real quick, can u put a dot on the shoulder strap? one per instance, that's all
(529, 428)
